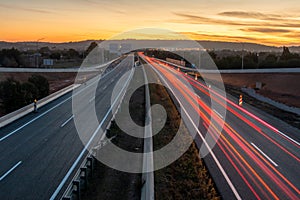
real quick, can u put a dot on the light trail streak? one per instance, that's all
(237, 138)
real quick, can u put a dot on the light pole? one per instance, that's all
(199, 57)
(242, 55)
(37, 50)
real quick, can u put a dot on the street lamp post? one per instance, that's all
(242, 55)
(37, 50)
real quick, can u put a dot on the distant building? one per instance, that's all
(113, 48)
(125, 48)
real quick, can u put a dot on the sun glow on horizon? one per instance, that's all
(267, 22)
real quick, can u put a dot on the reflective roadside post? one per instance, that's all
(35, 105)
(241, 100)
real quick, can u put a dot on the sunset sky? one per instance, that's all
(271, 22)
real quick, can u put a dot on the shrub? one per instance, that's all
(42, 85)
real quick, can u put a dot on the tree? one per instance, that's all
(55, 55)
(91, 47)
(29, 92)
(11, 94)
(285, 54)
(213, 55)
(10, 57)
(72, 53)
(42, 85)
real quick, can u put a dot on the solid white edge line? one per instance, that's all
(265, 155)
(89, 142)
(218, 113)
(203, 139)
(289, 138)
(34, 119)
(9, 171)
(69, 119)
(147, 192)
(92, 99)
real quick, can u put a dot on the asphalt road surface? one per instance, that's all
(256, 156)
(38, 150)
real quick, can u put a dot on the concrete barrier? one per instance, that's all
(11, 117)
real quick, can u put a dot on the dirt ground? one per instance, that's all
(57, 80)
(187, 177)
(283, 87)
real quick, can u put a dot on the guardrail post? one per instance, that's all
(108, 133)
(90, 164)
(76, 188)
(83, 176)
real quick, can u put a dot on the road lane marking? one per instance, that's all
(289, 137)
(92, 99)
(251, 115)
(265, 155)
(9, 171)
(36, 118)
(90, 141)
(232, 187)
(70, 118)
(218, 113)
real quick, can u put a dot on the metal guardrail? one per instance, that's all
(147, 192)
(11, 117)
(236, 71)
(81, 178)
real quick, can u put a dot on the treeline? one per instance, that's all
(258, 60)
(14, 95)
(15, 58)
(250, 60)
(11, 57)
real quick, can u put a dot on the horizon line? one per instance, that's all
(77, 41)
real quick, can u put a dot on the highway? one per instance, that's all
(38, 150)
(256, 156)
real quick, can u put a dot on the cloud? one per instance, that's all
(111, 5)
(195, 19)
(25, 9)
(253, 15)
(255, 39)
(267, 30)
(218, 37)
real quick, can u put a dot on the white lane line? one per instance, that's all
(218, 113)
(34, 119)
(70, 118)
(232, 187)
(92, 99)
(9, 171)
(90, 141)
(289, 137)
(265, 155)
